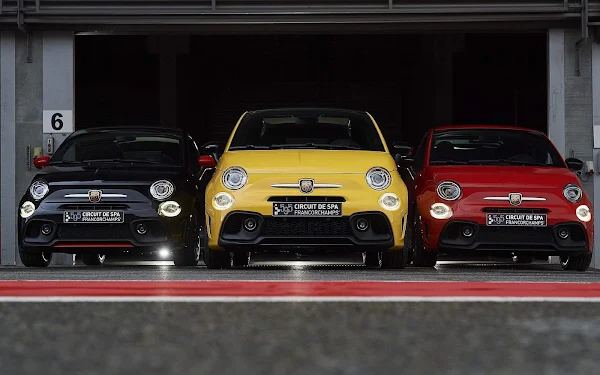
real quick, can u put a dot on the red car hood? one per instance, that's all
(509, 177)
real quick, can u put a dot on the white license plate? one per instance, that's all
(313, 209)
(93, 217)
(517, 220)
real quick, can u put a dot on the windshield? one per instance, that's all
(493, 147)
(121, 147)
(295, 129)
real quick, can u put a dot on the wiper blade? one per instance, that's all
(326, 146)
(249, 147)
(521, 162)
(64, 162)
(120, 161)
(442, 162)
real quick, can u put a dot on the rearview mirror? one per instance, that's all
(207, 161)
(574, 164)
(41, 162)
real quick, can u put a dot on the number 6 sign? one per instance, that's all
(58, 121)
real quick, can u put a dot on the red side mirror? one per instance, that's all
(41, 162)
(207, 161)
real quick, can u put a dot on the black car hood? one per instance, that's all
(109, 172)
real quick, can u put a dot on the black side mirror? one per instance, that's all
(213, 149)
(401, 148)
(574, 164)
(404, 161)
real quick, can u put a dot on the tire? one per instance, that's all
(93, 259)
(35, 259)
(420, 257)
(395, 259)
(576, 263)
(217, 259)
(189, 256)
(373, 259)
(241, 259)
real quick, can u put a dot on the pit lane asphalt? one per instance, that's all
(301, 338)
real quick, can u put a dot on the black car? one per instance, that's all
(115, 190)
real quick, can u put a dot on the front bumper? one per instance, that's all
(82, 237)
(307, 232)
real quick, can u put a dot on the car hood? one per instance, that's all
(307, 161)
(108, 172)
(509, 177)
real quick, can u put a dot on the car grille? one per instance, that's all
(93, 232)
(307, 227)
(515, 235)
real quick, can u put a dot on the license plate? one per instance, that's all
(93, 217)
(307, 209)
(516, 220)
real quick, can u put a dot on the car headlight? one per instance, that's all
(389, 201)
(161, 190)
(572, 193)
(448, 190)
(169, 209)
(234, 178)
(223, 201)
(27, 209)
(440, 211)
(378, 178)
(38, 190)
(583, 213)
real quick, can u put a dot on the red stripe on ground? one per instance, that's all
(293, 289)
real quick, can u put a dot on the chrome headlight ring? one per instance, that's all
(38, 189)
(162, 190)
(572, 193)
(234, 178)
(378, 178)
(448, 190)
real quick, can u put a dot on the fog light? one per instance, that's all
(46, 229)
(467, 231)
(389, 201)
(223, 201)
(362, 224)
(563, 233)
(440, 211)
(27, 209)
(169, 209)
(164, 253)
(141, 229)
(250, 224)
(583, 213)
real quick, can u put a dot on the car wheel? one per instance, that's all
(576, 263)
(241, 259)
(35, 259)
(189, 255)
(373, 259)
(420, 257)
(395, 259)
(217, 259)
(93, 259)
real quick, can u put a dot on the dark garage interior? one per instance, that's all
(409, 83)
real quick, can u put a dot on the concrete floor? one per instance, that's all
(301, 338)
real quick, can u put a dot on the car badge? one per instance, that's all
(95, 195)
(307, 186)
(515, 198)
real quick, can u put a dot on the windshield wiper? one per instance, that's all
(120, 161)
(64, 162)
(249, 147)
(442, 162)
(504, 161)
(326, 146)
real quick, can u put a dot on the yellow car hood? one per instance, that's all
(306, 161)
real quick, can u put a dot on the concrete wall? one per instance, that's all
(24, 129)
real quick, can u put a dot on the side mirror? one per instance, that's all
(41, 162)
(211, 148)
(207, 161)
(401, 148)
(404, 162)
(574, 164)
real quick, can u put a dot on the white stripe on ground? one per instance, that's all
(298, 299)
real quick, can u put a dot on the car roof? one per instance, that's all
(129, 128)
(307, 111)
(484, 126)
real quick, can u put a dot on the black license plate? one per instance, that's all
(93, 217)
(516, 220)
(312, 209)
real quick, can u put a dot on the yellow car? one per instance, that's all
(305, 180)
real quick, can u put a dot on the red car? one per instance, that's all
(500, 191)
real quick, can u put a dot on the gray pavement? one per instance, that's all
(300, 337)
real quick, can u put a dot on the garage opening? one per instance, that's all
(409, 83)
